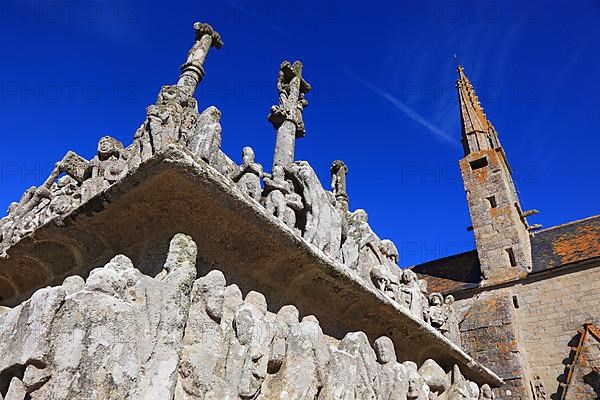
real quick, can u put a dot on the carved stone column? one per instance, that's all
(287, 116)
(192, 71)
(339, 170)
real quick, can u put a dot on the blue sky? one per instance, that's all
(384, 99)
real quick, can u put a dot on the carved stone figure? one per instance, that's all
(380, 278)
(340, 377)
(286, 117)
(424, 299)
(350, 246)
(33, 209)
(486, 393)
(411, 293)
(434, 376)
(393, 378)
(65, 197)
(385, 281)
(165, 118)
(474, 390)
(323, 222)
(367, 372)
(438, 318)
(248, 355)
(281, 200)
(390, 256)
(417, 388)
(249, 174)
(453, 331)
(205, 142)
(286, 318)
(203, 341)
(107, 167)
(339, 170)
(276, 187)
(303, 373)
(294, 205)
(459, 390)
(360, 250)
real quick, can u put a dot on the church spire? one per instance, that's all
(478, 133)
(499, 225)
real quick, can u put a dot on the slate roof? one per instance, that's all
(551, 248)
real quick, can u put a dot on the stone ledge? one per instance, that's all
(135, 217)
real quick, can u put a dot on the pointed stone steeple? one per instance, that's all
(478, 133)
(500, 226)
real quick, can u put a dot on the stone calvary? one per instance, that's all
(163, 269)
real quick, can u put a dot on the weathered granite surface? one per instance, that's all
(122, 334)
(254, 250)
(281, 233)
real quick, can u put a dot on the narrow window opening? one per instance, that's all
(511, 257)
(479, 163)
(515, 301)
(492, 200)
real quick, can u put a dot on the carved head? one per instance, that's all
(108, 146)
(338, 166)
(278, 173)
(288, 315)
(379, 277)
(171, 94)
(356, 343)
(388, 248)
(415, 381)
(248, 155)
(449, 300)
(257, 300)
(384, 349)
(408, 276)
(111, 279)
(167, 94)
(436, 299)
(203, 29)
(13, 207)
(212, 114)
(360, 215)
(212, 288)
(474, 390)
(243, 324)
(486, 393)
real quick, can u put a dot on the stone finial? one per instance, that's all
(192, 72)
(286, 117)
(203, 29)
(292, 88)
(339, 171)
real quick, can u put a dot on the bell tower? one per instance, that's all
(502, 233)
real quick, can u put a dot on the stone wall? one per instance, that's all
(525, 332)
(551, 311)
(489, 333)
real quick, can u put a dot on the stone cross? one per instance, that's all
(339, 170)
(287, 116)
(192, 71)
